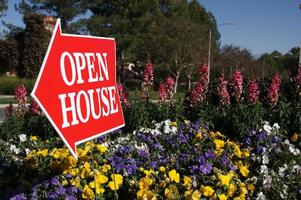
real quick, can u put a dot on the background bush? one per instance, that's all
(8, 84)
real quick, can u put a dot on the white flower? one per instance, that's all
(265, 159)
(263, 169)
(267, 181)
(22, 137)
(14, 149)
(293, 150)
(174, 129)
(267, 128)
(260, 196)
(296, 168)
(276, 126)
(281, 171)
(167, 129)
(27, 151)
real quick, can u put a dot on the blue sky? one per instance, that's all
(263, 25)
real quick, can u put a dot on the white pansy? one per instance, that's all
(263, 169)
(281, 171)
(22, 137)
(267, 181)
(174, 129)
(267, 128)
(27, 151)
(276, 126)
(265, 159)
(166, 129)
(14, 149)
(260, 196)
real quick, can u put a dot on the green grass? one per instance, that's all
(135, 95)
(7, 100)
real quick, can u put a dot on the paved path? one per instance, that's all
(3, 106)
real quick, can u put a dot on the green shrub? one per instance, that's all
(8, 84)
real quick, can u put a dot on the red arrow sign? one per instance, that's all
(76, 87)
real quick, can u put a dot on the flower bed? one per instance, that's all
(165, 161)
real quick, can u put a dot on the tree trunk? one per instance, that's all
(176, 82)
(189, 82)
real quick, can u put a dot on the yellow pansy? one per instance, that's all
(145, 182)
(195, 195)
(246, 153)
(73, 171)
(207, 191)
(88, 193)
(199, 135)
(173, 123)
(294, 137)
(251, 187)
(231, 190)
(174, 176)
(162, 169)
(100, 178)
(102, 148)
(243, 169)
(187, 181)
(222, 197)
(224, 179)
(219, 143)
(43, 153)
(64, 182)
(105, 168)
(146, 194)
(34, 138)
(171, 192)
(238, 152)
(116, 182)
(75, 182)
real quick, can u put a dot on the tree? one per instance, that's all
(8, 54)
(3, 7)
(67, 10)
(233, 57)
(36, 39)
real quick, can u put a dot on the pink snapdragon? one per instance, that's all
(273, 91)
(9, 110)
(35, 108)
(148, 74)
(148, 78)
(162, 93)
(197, 94)
(20, 95)
(123, 94)
(169, 85)
(222, 91)
(236, 85)
(253, 92)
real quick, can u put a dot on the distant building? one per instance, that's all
(49, 23)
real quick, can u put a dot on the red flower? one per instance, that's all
(273, 91)
(123, 94)
(169, 85)
(222, 91)
(253, 92)
(35, 108)
(20, 94)
(9, 110)
(148, 74)
(236, 85)
(162, 93)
